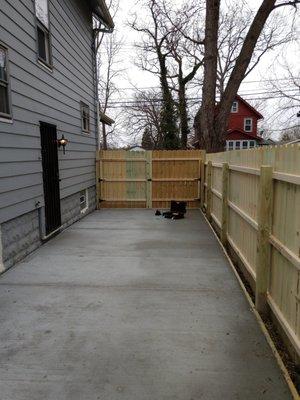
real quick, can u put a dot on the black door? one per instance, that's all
(50, 176)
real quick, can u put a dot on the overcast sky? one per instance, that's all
(253, 86)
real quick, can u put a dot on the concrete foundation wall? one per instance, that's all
(22, 235)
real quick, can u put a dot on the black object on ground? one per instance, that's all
(157, 212)
(178, 209)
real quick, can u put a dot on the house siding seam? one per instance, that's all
(54, 97)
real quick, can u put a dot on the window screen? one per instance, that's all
(4, 99)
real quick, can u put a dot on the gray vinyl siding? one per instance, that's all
(53, 97)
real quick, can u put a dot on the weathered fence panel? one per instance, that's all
(262, 225)
(146, 179)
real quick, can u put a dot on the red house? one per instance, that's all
(242, 126)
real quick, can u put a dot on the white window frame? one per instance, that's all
(45, 30)
(235, 107)
(234, 144)
(86, 196)
(85, 116)
(251, 124)
(5, 82)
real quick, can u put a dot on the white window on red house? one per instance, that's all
(252, 143)
(237, 145)
(248, 124)
(235, 107)
(245, 144)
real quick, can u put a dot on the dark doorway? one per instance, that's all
(50, 176)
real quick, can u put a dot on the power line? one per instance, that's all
(159, 99)
(130, 104)
(243, 83)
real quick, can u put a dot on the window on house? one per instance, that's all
(4, 85)
(237, 145)
(245, 144)
(252, 143)
(43, 34)
(230, 145)
(83, 200)
(85, 117)
(248, 124)
(235, 107)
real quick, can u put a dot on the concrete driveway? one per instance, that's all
(126, 305)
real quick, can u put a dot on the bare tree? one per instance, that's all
(154, 55)
(233, 25)
(290, 134)
(144, 115)
(213, 122)
(287, 89)
(109, 69)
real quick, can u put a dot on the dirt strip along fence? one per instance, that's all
(252, 198)
(148, 179)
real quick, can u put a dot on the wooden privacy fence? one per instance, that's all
(146, 179)
(252, 197)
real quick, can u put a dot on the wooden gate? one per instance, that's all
(148, 179)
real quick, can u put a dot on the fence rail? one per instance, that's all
(145, 179)
(252, 198)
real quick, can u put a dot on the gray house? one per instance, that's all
(48, 119)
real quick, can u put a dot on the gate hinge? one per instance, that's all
(149, 180)
(100, 180)
(100, 200)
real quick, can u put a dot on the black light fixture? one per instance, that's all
(62, 142)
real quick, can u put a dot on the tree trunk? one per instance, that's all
(210, 74)
(168, 117)
(104, 137)
(183, 115)
(240, 68)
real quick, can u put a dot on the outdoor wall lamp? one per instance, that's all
(62, 142)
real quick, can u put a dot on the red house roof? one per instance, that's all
(259, 116)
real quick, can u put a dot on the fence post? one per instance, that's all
(264, 219)
(225, 182)
(149, 178)
(208, 188)
(98, 179)
(202, 179)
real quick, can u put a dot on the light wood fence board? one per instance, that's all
(175, 174)
(149, 178)
(244, 177)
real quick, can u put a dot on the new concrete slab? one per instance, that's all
(126, 305)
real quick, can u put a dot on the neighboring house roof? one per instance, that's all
(249, 106)
(269, 142)
(102, 12)
(246, 135)
(106, 119)
(292, 141)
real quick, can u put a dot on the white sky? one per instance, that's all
(254, 83)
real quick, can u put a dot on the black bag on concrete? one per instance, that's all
(178, 207)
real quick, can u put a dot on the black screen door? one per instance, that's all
(50, 176)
